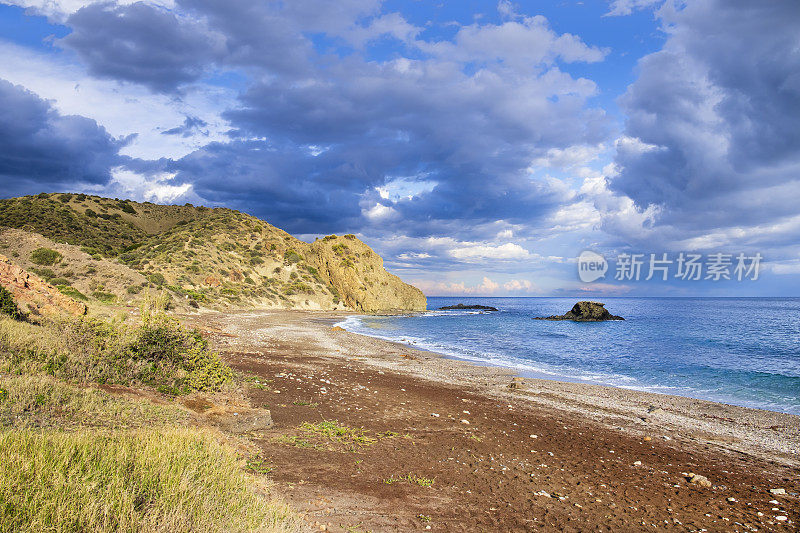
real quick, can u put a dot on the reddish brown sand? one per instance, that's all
(500, 459)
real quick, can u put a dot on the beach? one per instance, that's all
(452, 446)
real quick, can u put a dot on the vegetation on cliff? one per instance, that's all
(112, 249)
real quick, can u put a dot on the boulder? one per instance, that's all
(462, 306)
(34, 296)
(585, 312)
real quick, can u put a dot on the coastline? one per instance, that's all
(735, 447)
(740, 428)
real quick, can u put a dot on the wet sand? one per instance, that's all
(499, 453)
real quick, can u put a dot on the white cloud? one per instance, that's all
(626, 7)
(518, 285)
(156, 188)
(473, 251)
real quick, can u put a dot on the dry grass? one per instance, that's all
(43, 401)
(175, 480)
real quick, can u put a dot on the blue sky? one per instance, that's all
(478, 146)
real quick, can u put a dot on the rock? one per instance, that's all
(654, 410)
(211, 281)
(34, 296)
(357, 274)
(585, 312)
(338, 328)
(244, 420)
(777, 491)
(647, 439)
(462, 307)
(697, 479)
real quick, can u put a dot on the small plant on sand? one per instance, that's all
(45, 257)
(410, 478)
(313, 405)
(332, 431)
(258, 464)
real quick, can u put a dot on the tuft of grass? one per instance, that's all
(105, 297)
(72, 292)
(302, 403)
(178, 480)
(331, 430)
(410, 478)
(45, 257)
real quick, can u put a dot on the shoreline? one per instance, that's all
(598, 433)
(543, 375)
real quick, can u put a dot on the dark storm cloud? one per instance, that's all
(716, 113)
(42, 150)
(143, 44)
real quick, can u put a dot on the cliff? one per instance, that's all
(111, 250)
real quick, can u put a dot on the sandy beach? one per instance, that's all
(452, 446)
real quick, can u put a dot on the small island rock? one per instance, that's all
(462, 307)
(585, 312)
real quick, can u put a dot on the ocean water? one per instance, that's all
(741, 351)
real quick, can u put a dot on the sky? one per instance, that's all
(478, 146)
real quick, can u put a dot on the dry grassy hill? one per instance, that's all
(111, 250)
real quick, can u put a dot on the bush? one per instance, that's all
(72, 292)
(105, 297)
(45, 256)
(291, 257)
(45, 273)
(90, 213)
(8, 306)
(134, 289)
(59, 281)
(156, 278)
(159, 352)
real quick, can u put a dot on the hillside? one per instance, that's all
(112, 250)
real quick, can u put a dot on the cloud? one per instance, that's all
(142, 43)
(475, 252)
(43, 150)
(626, 7)
(190, 126)
(711, 139)
(518, 285)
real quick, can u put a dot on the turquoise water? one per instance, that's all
(742, 351)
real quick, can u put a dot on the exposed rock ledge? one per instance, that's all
(585, 312)
(35, 296)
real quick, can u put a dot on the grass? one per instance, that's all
(302, 403)
(178, 480)
(331, 430)
(72, 292)
(410, 478)
(43, 401)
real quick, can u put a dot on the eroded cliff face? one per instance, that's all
(357, 273)
(34, 296)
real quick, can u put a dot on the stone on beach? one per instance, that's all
(777, 491)
(697, 479)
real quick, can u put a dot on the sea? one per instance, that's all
(740, 351)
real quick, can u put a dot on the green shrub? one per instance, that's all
(90, 213)
(105, 297)
(45, 257)
(291, 257)
(72, 292)
(45, 273)
(156, 278)
(134, 289)
(59, 281)
(8, 306)
(350, 236)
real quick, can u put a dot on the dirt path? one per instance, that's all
(437, 456)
